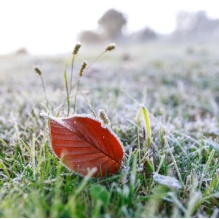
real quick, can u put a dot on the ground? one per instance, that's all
(176, 83)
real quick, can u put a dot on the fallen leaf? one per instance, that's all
(84, 143)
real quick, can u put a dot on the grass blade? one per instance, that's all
(67, 91)
(147, 123)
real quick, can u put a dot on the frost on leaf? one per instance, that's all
(82, 144)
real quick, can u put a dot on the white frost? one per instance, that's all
(168, 181)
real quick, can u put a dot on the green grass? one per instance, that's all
(180, 92)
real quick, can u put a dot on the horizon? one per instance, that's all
(51, 27)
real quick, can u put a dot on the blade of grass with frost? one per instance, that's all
(3, 167)
(174, 162)
(206, 167)
(158, 123)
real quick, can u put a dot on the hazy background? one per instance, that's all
(52, 27)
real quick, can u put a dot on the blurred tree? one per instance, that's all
(21, 51)
(89, 36)
(112, 23)
(190, 22)
(146, 34)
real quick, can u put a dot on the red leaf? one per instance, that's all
(84, 143)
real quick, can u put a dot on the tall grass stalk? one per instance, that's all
(74, 53)
(69, 86)
(81, 72)
(39, 72)
(67, 91)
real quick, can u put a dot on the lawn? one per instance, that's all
(176, 174)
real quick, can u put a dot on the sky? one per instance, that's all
(52, 26)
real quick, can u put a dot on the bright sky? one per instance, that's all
(51, 26)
